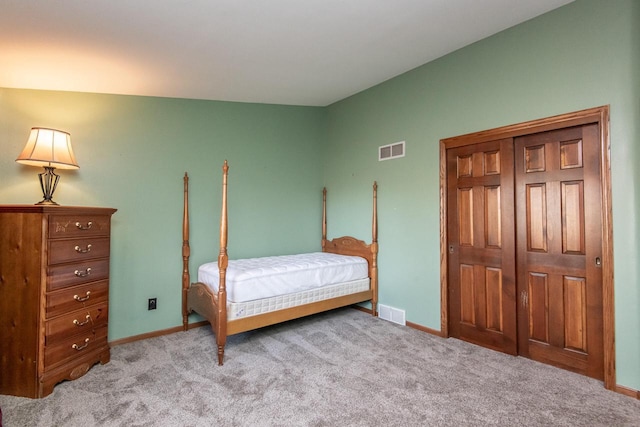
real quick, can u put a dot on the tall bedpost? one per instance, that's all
(186, 252)
(223, 260)
(374, 251)
(324, 218)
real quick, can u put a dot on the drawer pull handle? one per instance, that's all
(83, 273)
(84, 227)
(87, 320)
(81, 347)
(81, 299)
(83, 251)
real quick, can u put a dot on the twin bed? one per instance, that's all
(241, 295)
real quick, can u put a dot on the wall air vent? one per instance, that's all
(391, 151)
(391, 314)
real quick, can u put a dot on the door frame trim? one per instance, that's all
(599, 115)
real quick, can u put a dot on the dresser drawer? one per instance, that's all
(79, 249)
(79, 321)
(77, 297)
(61, 226)
(61, 276)
(75, 347)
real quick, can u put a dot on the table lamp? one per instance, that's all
(51, 149)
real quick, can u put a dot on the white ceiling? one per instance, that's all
(300, 52)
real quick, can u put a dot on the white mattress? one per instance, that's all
(267, 277)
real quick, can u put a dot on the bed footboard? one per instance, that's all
(201, 300)
(186, 252)
(197, 297)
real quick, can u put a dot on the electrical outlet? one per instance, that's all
(153, 303)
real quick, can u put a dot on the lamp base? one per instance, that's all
(48, 183)
(47, 203)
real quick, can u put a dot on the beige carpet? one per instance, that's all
(343, 368)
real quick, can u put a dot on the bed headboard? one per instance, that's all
(347, 245)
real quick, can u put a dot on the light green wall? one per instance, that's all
(133, 153)
(580, 56)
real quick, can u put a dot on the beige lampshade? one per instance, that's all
(48, 147)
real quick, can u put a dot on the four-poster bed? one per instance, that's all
(344, 273)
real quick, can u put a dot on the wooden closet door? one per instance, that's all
(481, 263)
(559, 253)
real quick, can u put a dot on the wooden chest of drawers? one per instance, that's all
(54, 295)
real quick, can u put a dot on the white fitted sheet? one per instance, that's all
(266, 277)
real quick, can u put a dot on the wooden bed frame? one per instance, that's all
(197, 297)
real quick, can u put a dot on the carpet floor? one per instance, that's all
(341, 368)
